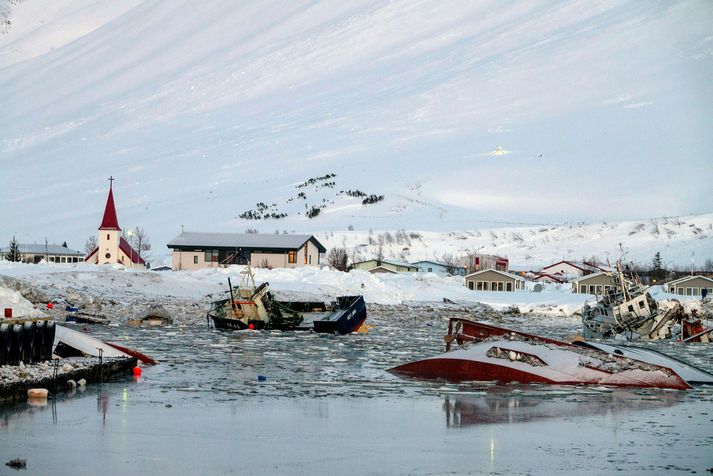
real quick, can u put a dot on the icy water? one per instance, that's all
(327, 406)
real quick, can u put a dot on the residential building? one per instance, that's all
(594, 283)
(112, 248)
(571, 269)
(196, 250)
(690, 286)
(34, 253)
(440, 268)
(494, 280)
(480, 262)
(383, 266)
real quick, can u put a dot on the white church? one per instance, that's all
(112, 248)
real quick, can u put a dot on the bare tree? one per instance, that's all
(91, 244)
(451, 262)
(337, 258)
(141, 240)
(379, 253)
(708, 266)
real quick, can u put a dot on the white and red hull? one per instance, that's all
(507, 356)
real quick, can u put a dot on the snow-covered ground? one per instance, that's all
(80, 283)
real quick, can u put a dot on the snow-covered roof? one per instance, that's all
(588, 276)
(507, 275)
(41, 249)
(688, 278)
(242, 240)
(416, 263)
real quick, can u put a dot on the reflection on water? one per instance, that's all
(500, 405)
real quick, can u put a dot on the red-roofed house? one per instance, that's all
(112, 248)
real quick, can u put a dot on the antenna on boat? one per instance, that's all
(248, 279)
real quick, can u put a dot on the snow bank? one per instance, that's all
(317, 283)
(20, 306)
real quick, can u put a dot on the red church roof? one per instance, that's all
(110, 222)
(130, 252)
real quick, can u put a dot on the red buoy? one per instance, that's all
(137, 371)
(50, 305)
(251, 326)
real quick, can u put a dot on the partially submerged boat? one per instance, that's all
(490, 353)
(628, 311)
(250, 307)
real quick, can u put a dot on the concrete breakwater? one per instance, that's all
(15, 381)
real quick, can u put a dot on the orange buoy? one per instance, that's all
(37, 393)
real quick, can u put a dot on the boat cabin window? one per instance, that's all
(291, 257)
(642, 304)
(631, 308)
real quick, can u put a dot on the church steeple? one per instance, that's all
(110, 221)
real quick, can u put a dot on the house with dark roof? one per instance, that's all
(112, 248)
(34, 253)
(196, 250)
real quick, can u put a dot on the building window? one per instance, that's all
(479, 285)
(470, 284)
(291, 257)
(107, 236)
(195, 260)
(500, 285)
(310, 259)
(599, 288)
(430, 270)
(509, 286)
(211, 256)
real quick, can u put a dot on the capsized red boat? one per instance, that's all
(504, 355)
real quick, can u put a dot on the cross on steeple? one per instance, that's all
(111, 179)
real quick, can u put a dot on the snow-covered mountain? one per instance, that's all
(463, 115)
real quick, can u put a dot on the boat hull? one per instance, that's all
(347, 316)
(507, 356)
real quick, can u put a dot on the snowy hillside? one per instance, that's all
(462, 115)
(680, 240)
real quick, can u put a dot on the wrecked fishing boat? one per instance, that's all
(627, 311)
(250, 307)
(491, 353)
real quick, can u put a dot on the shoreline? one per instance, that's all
(92, 372)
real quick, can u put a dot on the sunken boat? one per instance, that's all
(627, 311)
(490, 353)
(250, 307)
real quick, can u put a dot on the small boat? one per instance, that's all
(250, 307)
(503, 355)
(86, 318)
